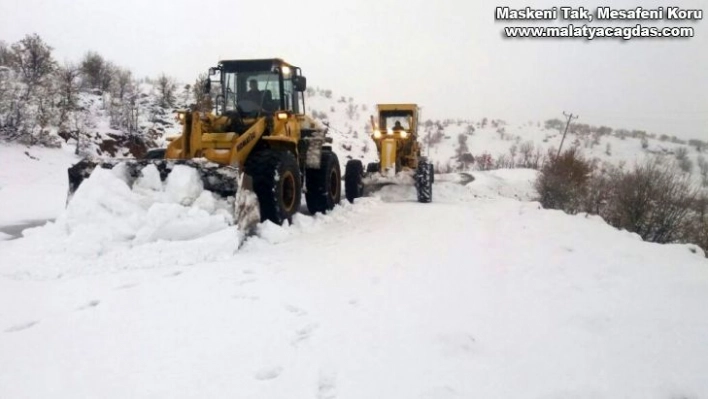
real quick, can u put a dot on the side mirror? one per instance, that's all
(207, 86)
(212, 71)
(299, 83)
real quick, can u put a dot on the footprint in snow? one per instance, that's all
(91, 304)
(304, 333)
(126, 286)
(295, 310)
(246, 281)
(20, 327)
(268, 373)
(326, 386)
(174, 274)
(457, 344)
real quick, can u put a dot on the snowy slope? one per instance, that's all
(349, 127)
(474, 295)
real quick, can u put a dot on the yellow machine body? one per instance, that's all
(205, 135)
(398, 149)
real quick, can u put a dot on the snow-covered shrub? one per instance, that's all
(563, 181)
(653, 200)
(485, 161)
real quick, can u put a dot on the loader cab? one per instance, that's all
(259, 87)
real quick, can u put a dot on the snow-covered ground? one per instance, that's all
(145, 293)
(33, 183)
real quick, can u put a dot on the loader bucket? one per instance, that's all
(222, 180)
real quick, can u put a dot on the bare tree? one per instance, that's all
(92, 66)
(203, 100)
(5, 54)
(32, 59)
(123, 80)
(166, 88)
(69, 84)
(703, 170)
(684, 161)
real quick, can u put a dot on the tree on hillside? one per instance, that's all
(4, 54)
(554, 124)
(203, 100)
(123, 80)
(92, 67)
(166, 88)
(32, 59)
(69, 84)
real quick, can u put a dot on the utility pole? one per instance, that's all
(570, 118)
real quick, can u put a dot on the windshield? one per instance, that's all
(251, 92)
(395, 120)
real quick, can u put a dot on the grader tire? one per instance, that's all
(424, 182)
(353, 176)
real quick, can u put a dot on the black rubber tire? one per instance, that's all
(324, 185)
(353, 176)
(424, 182)
(373, 167)
(156, 153)
(277, 184)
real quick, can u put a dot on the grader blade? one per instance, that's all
(376, 181)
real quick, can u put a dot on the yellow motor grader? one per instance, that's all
(259, 143)
(395, 133)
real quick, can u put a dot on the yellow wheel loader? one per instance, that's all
(258, 144)
(395, 133)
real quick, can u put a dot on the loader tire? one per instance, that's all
(324, 185)
(373, 167)
(424, 182)
(276, 183)
(353, 179)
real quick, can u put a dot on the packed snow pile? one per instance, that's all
(108, 219)
(112, 224)
(105, 210)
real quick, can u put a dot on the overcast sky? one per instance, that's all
(448, 56)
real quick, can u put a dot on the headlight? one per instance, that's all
(180, 116)
(389, 131)
(377, 134)
(404, 134)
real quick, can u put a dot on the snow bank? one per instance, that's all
(110, 225)
(144, 225)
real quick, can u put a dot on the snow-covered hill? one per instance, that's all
(146, 292)
(498, 144)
